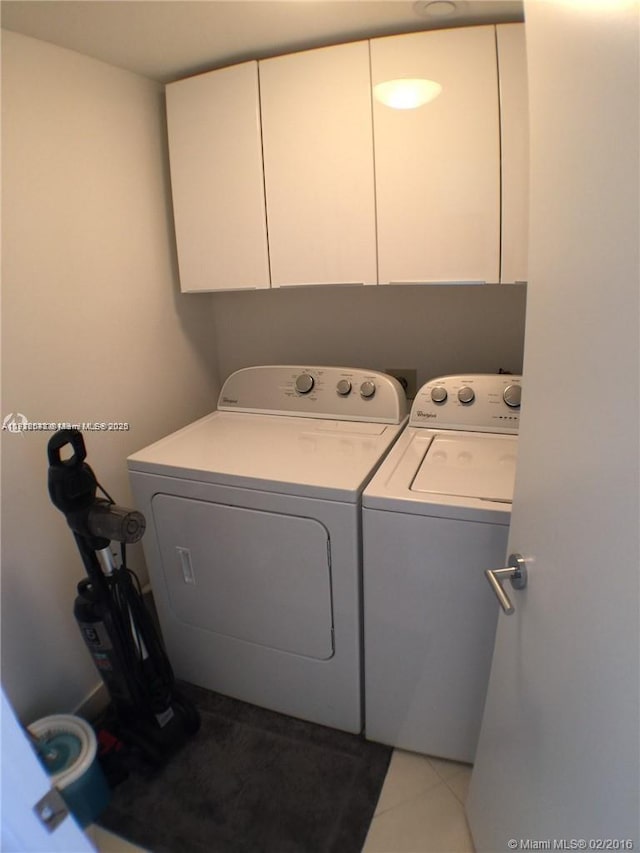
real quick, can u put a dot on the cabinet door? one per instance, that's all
(514, 118)
(216, 178)
(438, 166)
(318, 163)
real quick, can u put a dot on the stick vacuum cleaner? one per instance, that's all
(150, 714)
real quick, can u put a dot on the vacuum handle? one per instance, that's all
(60, 440)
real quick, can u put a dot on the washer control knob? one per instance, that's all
(367, 389)
(304, 383)
(512, 395)
(439, 394)
(344, 387)
(466, 395)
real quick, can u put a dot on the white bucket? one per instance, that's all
(81, 782)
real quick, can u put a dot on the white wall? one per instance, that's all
(94, 329)
(437, 330)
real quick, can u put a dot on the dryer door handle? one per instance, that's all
(516, 571)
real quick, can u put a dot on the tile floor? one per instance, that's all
(420, 810)
(421, 807)
(106, 842)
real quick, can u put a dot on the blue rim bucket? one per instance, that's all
(68, 751)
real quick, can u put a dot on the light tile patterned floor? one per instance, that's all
(106, 842)
(421, 807)
(420, 810)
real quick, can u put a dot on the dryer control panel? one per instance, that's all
(481, 402)
(335, 393)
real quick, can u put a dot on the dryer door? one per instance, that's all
(257, 576)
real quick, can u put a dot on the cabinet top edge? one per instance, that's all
(261, 56)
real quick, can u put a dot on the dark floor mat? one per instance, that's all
(253, 781)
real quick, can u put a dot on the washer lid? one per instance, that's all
(469, 466)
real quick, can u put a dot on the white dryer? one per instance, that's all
(253, 538)
(435, 516)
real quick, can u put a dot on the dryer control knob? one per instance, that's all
(466, 395)
(512, 395)
(439, 394)
(304, 383)
(343, 387)
(367, 389)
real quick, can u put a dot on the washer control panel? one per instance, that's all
(338, 393)
(481, 402)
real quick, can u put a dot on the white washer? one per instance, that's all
(435, 516)
(253, 538)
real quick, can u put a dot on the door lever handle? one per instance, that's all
(516, 571)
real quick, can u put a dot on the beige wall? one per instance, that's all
(436, 330)
(93, 330)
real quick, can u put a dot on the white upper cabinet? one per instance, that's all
(217, 180)
(318, 165)
(283, 174)
(514, 116)
(438, 166)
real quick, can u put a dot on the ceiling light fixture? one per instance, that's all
(436, 9)
(406, 93)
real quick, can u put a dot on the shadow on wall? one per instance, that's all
(437, 330)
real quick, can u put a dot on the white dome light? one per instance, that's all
(406, 93)
(436, 9)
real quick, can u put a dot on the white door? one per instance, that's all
(217, 183)
(24, 782)
(558, 759)
(437, 168)
(318, 166)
